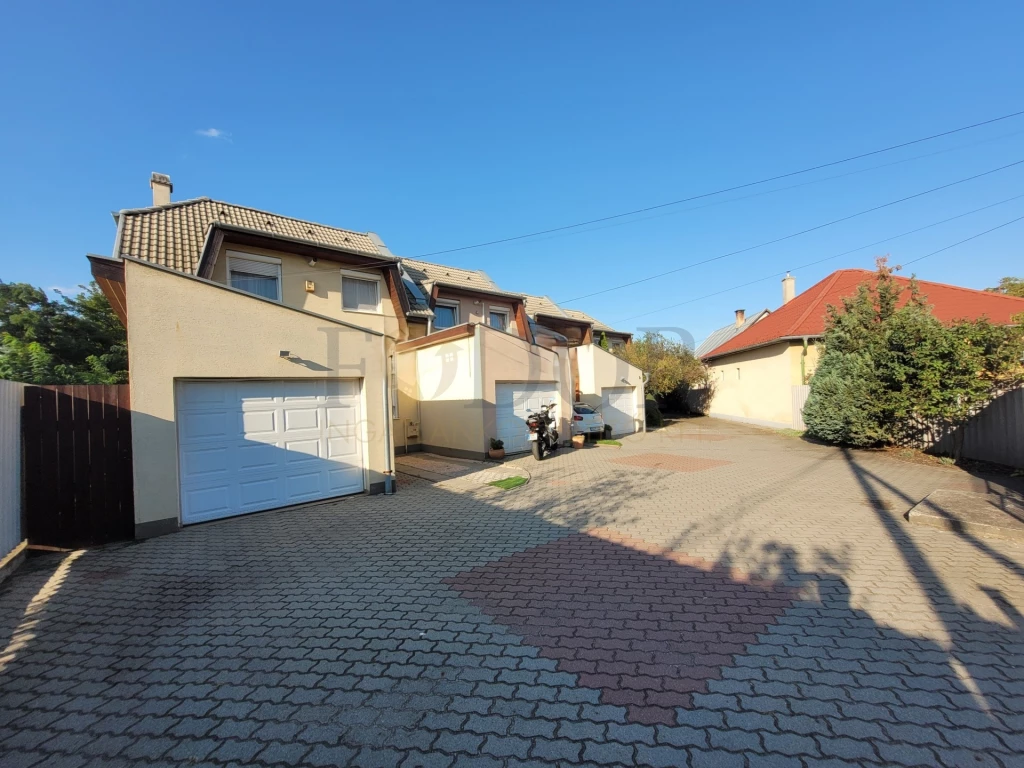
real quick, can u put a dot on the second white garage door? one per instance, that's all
(245, 446)
(514, 403)
(618, 409)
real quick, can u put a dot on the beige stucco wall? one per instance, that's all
(181, 328)
(477, 310)
(599, 369)
(408, 403)
(325, 299)
(506, 358)
(757, 385)
(449, 387)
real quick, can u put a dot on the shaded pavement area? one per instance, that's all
(709, 594)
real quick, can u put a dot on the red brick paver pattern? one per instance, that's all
(647, 627)
(671, 462)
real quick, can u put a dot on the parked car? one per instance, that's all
(587, 420)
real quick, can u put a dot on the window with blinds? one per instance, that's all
(255, 276)
(358, 295)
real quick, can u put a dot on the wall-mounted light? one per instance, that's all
(312, 262)
(284, 354)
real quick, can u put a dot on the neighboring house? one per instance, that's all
(756, 369)
(726, 332)
(601, 379)
(276, 361)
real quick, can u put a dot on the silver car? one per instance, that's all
(586, 420)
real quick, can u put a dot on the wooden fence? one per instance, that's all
(78, 464)
(10, 466)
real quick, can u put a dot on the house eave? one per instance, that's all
(714, 356)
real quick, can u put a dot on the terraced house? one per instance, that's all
(275, 361)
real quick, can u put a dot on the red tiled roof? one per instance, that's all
(805, 315)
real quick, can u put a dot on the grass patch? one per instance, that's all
(509, 483)
(787, 432)
(609, 442)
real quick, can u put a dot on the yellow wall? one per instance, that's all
(449, 390)
(455, 383)
(180, 327)
(509, 359)
(757, 385)
(600, 369)
(326, 296)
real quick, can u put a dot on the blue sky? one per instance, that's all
(444, 125)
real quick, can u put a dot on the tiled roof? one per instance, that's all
(173, 235)
(542, 305)
(576, 314)
(425, 272)
(723, 334)
(805, 315)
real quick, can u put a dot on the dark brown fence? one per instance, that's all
(78, 464)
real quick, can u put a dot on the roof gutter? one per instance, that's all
(708, 358)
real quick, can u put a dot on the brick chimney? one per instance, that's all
(788, 289)
(741, 316)
(161, 185)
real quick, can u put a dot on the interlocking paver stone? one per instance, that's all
(723, 596)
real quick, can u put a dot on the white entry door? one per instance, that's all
(245, 446)
(514, 403)
(617, 407)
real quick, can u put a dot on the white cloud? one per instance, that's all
(214, 133)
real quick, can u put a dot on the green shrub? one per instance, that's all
(652, 413)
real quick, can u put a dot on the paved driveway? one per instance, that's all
(706, 595)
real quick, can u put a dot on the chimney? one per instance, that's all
(788, 289)
(741, 315)
(161, 185)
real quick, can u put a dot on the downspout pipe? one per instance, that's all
(647, 377)
(389, 470)
(803, 363)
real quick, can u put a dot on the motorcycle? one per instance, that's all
(543, 434)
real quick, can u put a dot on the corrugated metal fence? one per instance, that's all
(995, 434)
(10, 465)
(800, 393)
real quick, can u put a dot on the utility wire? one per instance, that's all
(965, 240)
(793, 234)
(717, 203)
(725, 189)
(845, 253)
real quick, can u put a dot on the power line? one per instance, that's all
(839, 255)
(782, 189)
(725, 189)
(965, 240)
(793, 234)
(733, 199)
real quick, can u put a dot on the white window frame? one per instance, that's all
(457, 306)
(242, 256)
(499, 311)
(369, 277)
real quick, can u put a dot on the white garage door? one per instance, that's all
(514, 403)
(617, 409)
(249, 445)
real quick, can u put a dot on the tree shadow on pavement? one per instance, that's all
(439, 625)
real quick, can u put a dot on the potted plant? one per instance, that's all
(497, 449)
